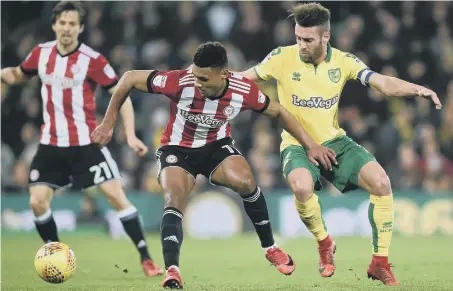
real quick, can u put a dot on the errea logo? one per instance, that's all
(315, 102)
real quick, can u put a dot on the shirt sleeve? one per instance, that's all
(269, 68)
(357, 69)
(165, 83)
(102, 73)
(256, 100)
(30, 65)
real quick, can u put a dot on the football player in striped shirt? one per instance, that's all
(198, 140)
(69, 71)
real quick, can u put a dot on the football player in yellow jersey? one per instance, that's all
(310, 77)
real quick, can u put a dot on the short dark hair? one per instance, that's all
(68, 6)
(211, 54)
(310, 14)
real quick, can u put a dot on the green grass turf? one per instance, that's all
(233, 264)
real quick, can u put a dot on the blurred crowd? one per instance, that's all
(410, 40)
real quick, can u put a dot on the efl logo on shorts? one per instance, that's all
(171, 159)
(159, 81)
(34, 175)
(261, 97)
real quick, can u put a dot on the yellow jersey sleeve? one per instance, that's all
(357, 69)
(270, 67)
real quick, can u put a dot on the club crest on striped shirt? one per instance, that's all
(228, 111)
(75, 69)
(171, 159)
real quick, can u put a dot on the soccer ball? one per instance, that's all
(55, 262)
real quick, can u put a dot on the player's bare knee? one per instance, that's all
(380, 185)
(39, 202)
(302, 189)
(244, 186)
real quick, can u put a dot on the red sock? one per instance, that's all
(378, 260)
(325, 242)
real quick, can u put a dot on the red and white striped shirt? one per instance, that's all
(68, 86)
(195, 120)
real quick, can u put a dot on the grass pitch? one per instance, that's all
(233, 264)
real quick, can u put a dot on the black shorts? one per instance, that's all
(203, 160)
(79, 166)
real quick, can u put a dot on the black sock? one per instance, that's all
(256, 208)
(130, 219)
(46, 226)
(171, 235)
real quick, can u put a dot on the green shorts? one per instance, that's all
(350, 157)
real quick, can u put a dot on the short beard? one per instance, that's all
(316, 54)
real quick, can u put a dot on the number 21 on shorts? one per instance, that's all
(98, 169)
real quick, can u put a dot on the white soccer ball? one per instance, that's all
(55, 262)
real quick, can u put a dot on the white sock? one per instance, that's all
(173, 266)
(272, 246)
(45, 216)
(126, 212)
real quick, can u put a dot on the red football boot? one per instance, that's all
(326, 249)
(281, 260)
(172, 279)
(379, 269)
(150, 268)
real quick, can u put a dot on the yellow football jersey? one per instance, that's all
(311, 93)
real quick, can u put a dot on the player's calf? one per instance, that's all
(177, 185)
(311, 215)
(373, 178)
(40, 197)
(115, 194)
(130, 218)
(256, 208)
(307, 203)
(171, 235)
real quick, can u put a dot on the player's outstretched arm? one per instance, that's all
(391, 86)
(131, 79)
(250, 74)
(315, 152)
(13, 76)
(128, 117)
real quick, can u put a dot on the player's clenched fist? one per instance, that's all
(137, 145)
(102, 134)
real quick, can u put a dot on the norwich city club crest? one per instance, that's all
(296, 76)
(335, 75)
